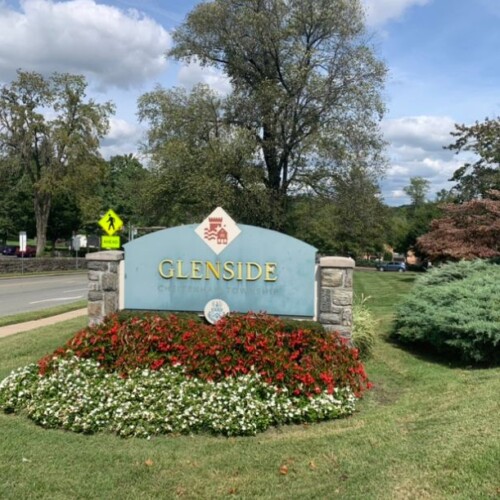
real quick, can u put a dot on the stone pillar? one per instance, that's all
(336, 294)
(104, 284)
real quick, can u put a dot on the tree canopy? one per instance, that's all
(50, 133)
(409, 222)
(306, 90)
(199, 159)
(16, 213)
(475, 179)
(353, 222)
(124, 188)
(467, 230)
(417, 190)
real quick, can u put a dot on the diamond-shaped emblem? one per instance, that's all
(218, 230)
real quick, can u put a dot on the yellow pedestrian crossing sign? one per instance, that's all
(110, 222)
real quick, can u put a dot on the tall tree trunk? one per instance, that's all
(42, 202)
(277, 216)
(277, 195)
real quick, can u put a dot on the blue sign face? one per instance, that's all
(249, 268)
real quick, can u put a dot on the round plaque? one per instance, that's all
(215, 309)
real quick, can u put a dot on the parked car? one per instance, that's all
(8, 250)
(399, 267)
(30, 252)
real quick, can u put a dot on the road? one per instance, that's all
(40, 292)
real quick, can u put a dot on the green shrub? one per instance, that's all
(363, 328)
(456, 271)
(454, 309)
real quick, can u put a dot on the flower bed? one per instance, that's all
(147, 375)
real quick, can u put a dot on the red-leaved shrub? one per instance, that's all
(306, 362)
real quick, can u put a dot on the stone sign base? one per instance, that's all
(335, 294)
(104, 284)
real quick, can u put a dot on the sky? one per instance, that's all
(443, 59)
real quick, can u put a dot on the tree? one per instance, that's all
(65, 218)
(313, 219)
(199, 160)
(306, 85)
(17, 208)
(417, 190)
(445, 196)
(410, 222)
(362, 218)
(124, 187)
(469, 230)
(418, 222)
(50, 132)
(351, 220)
(475, 179)
(399, 229)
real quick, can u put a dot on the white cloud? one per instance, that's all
(398, 193)
(397, 170)
(435, 170)
(406, 152)
(379, 12)
(424, 133)
(123, 138)
(113, 47)
(415, 149)
(193, 73)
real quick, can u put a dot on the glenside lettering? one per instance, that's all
(227, 270)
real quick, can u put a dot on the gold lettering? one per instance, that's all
(228, 271)
(239, 277)
(180, 276)
(228, 274)
(270, 270)
(195, 269)
(255, 266)
(214, 270)
(161, 270)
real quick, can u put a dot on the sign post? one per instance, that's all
(22, 248)
(76, 248)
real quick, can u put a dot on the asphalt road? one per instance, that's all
(40, 292)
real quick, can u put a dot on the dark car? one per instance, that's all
(9, 250)
(30, 252)
(399, 267)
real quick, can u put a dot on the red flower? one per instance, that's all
(157, 364)
(303, 361)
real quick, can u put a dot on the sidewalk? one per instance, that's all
(5, 331)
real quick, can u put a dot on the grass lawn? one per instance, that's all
(43, 313)
(427, 430)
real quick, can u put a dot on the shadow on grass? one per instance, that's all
(409, 279)
(428, 353)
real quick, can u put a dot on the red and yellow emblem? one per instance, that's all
(218, 230)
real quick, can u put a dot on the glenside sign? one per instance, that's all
(246, 267)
